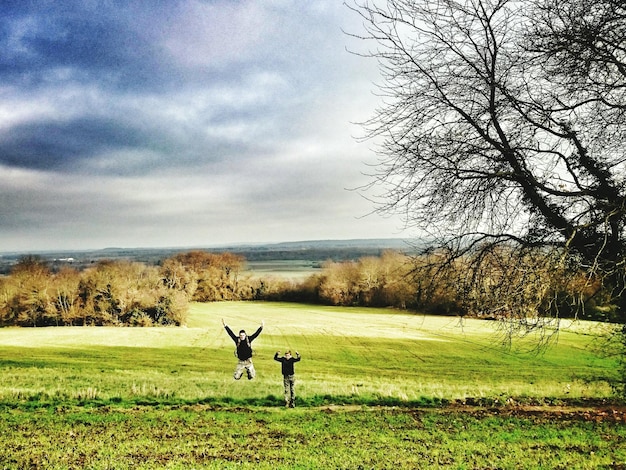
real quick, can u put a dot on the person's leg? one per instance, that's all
(292, 391)
(250, 369)
(241, 365)
(287, 390)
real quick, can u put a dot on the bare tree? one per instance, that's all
(582, 43)
(501, 128)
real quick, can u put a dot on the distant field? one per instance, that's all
(289, 269)
(376, 388)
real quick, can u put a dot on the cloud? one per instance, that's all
(58, 145)
(122, 121)
(45, 42)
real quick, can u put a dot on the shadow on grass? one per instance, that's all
(270, 401)
(323, 400)
(36, 401)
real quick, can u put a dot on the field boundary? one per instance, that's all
(613, 411)
(595, 413)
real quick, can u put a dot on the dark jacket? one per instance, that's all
(287, 364)
(244, 348)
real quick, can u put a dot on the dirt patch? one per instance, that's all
(587, 413)
(591, 410)
(596, 411)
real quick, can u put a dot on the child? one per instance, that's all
(289, 377)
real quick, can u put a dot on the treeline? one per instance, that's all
(135, 294)
(509, 284)
(116, 292)
(371, 281)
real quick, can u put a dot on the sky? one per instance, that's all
(183, 123)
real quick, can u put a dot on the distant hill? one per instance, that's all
(313, 250)
(385, 243)
(321, 250)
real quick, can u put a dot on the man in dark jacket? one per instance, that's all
(243, 351)
(289, 376)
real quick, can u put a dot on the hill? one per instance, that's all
(310, 250)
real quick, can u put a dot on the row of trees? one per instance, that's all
(371, 281)
(131, 293)
(116, 292)
(536, 286)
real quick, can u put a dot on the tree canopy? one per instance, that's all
(501, 128)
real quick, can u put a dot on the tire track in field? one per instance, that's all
(283, 337)
(419, 324)
(297, 333)
(360, 342)
(356, 341)
(390, 356)
(356, 331)
(307, 343)
(199, 350)
(209, 338)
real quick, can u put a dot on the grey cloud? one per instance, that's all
(179, 120)
(164, 128)
(149, 45)
(91, 42)
(60, 145)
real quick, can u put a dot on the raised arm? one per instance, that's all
(229, 331)
(257, 332)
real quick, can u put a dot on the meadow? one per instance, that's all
(377, 388)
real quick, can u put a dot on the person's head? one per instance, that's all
(242, 334)
(287, 354)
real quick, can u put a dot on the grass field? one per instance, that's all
(366, 354)
(376, 389)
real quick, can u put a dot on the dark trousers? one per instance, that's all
(289, 381)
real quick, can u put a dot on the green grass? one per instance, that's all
(197, 437)
(368, 355)
(375, 389)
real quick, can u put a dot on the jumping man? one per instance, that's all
(244, 351)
